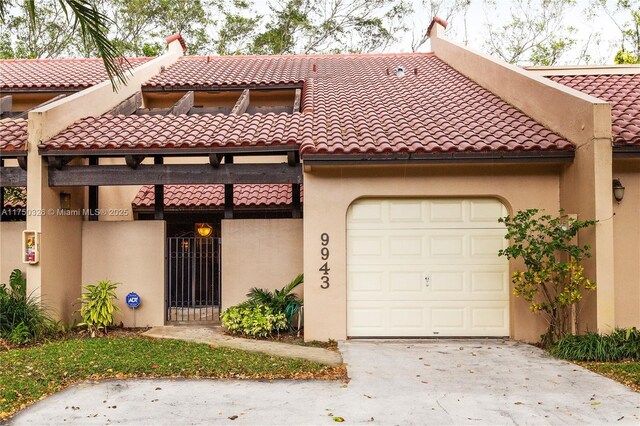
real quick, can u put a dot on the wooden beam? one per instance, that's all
(93, 195)
(6, 104)
(215, 160)
(133, 161)
(241, 105)
(13, 176)
(58, 162)
(25, 114)
(228, 192)
(173, 174)
(183, 105)
(297, 100)
(158, 194)
(22, 162)
(292, 158)
(128, 106)
(296, 212)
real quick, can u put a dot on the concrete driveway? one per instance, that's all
(392, 382)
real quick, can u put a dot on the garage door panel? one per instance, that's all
(427, 268)
(438, 282)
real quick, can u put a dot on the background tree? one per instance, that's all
(535, 34)
(454, 12)
(338, 26)
(625, 14)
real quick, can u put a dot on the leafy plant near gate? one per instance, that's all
(265, 312)
(553, 281)
(22, 318)
(253, 320)
(280, 301)
(621, 344)
(97, 306)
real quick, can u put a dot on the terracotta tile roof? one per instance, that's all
(622, 91)
(190, 131)
(212, 196)
(55, 73)
(13, 134)
(352, 104)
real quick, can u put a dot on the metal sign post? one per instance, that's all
(133, 301)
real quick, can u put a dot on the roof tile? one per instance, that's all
(352, 104)
(55, 73)
(212, 196)
(13, 134)
(622, 91)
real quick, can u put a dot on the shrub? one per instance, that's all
(280, 301)
(253, 320)
(621, 344)
(553, 282)
(97, 306)
(22, 318)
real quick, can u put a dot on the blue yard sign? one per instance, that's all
(133, 300)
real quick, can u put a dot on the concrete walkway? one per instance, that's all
(446, 382)
(215, 337)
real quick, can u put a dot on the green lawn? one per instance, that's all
(28, 374)
(627, 373)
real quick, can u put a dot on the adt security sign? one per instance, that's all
(133, 300)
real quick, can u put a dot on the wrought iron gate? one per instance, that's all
(193, 279)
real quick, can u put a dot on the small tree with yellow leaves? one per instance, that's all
(553, 281)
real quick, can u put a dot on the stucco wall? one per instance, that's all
(264, 253)
(626, 228)
(133, 254)
(330, 190)
(10, 247)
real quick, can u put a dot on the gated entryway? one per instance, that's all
(193, 279)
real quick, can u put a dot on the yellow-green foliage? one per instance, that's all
(97, 305)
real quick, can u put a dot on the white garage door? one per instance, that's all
(418, 267)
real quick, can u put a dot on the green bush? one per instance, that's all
(97, 306)
(22, 318)
(621, 344)
(253, 320)
(280, 301)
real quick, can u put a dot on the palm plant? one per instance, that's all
(94, 27)
(283, 300)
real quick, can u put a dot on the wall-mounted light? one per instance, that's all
(204, 229)
(618, 190)
(65, 200)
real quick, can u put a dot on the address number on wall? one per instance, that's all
(324, 256)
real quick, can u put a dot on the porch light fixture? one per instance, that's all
(65, 200)
(618, 190)
(204, 229)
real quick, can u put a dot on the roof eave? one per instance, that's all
(559, 156)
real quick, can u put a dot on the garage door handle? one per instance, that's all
(427, 280)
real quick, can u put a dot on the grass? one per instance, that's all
(627, 373)
(29, 374)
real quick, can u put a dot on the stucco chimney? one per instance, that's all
(436, 27)
(176, 43)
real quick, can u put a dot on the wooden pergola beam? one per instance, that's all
(128, 106)
(173, 174)
(297, 100)
(183, 105)
(241, 105)
(13, 176)
(6, 104)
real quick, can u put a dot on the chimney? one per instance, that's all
(436, 28)
(176, 43)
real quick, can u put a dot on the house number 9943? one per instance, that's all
(324, 255)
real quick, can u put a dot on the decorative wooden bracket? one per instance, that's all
(133, 161)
